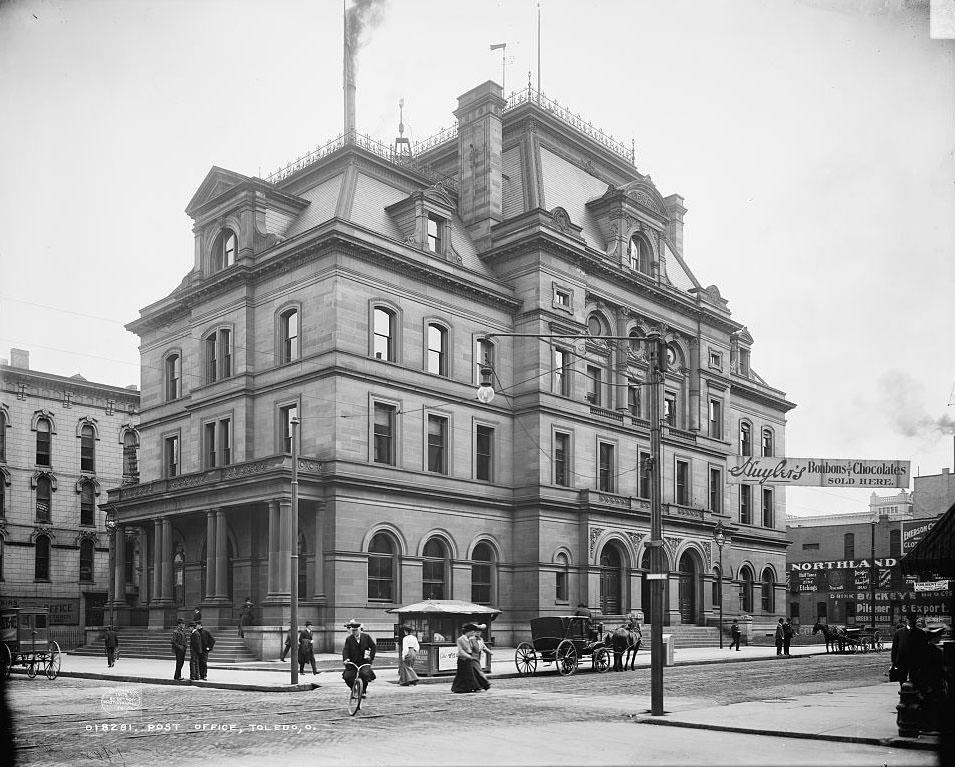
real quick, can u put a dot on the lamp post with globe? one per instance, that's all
(719, 535)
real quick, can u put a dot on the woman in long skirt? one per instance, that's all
(465, 679)
(409, 651)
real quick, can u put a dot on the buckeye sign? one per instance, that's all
(817, 472)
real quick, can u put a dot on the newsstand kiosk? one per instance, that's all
(437, 624)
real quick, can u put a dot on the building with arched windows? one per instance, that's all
(357, 292)
(63, 443)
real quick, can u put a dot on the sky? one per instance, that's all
(813, 142)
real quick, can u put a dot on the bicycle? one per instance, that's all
(357, 688)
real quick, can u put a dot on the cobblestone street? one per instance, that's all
(80, 722)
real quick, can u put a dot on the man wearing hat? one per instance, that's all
(360, 649)
(179, 644)
(306, 651)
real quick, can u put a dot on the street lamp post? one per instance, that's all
(872, 572)
(657, 575)
(111, 582)
(719, 535)
(293, 527)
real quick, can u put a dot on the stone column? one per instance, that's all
(119, 571)
(144, 591)
(273, 586)
(168, 592)
(210, 554)
(284, 569)
(619, 393)
(222, 557)
(157, 560)
(320, 551)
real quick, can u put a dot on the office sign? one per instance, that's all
(913, 531)
(817, 472)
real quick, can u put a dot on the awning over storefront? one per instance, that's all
(935, 553)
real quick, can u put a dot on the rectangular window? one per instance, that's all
(212, 359)
(669, 408)
(769, 514)
(384, 347)
(633, 400)
(605, 468)
(716, 360)
(218, 443)
(173, 377)
(562, 459)
(43, 442)
(87, 504)
(810, 547)
(768, 447)
(484, 453)
(716, 419)
(171, 455)
(437, 444)
(435, 225)
(744, 362)
(225, 349)
(746, 504)
(849, 546)
(485, 352)
(560, 586)
(683, 483)
(289, 326)
(593, 385)
(716, 490)
(437, 350)
(562, 372)
(895, 543)
(88, 450)
(561, 298)
(225, 441)
(385, 434)
(286, 414)
(210, 439)
(644, 489)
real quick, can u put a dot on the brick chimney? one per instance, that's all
(676, 212)
(480, 137)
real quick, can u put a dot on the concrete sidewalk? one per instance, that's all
(864, 715)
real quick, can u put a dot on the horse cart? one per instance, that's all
(850, 638)
(25, 642)
(563, 640)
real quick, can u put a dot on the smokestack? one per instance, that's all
(349, 75)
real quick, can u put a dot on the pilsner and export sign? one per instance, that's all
(818, 472)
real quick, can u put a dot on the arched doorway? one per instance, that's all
(689, 588)
(611, 576)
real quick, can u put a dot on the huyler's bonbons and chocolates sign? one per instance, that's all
(817, 472)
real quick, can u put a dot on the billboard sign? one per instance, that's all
(914, 530)
(817, 472)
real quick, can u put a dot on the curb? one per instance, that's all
(307, 687)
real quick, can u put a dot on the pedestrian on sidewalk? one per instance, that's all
(465, 680)
(245, 617)
(179, 643)
(201, 644)
(288, 645)
(780, 637)
(735, 634)
(477, 649)
(787, 636)
(409, 652)
(111, 640)
(306, 650)
(193, 652)
(197, 615)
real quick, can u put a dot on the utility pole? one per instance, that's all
(657, 575)
(293, 619)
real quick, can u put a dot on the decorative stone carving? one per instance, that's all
(635, 539)
(595, 533)
(674, 543)
(561, 219)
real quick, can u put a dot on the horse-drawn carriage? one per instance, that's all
(850, 638)
(25, 642)
(563, 640)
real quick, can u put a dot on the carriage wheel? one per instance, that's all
(31, 666)
(566, 657)
(53, 661)
(7, 660)
(525, 658)
(602, 660)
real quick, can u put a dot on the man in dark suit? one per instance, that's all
(306, 650)
(201, 643)
(780, 637)
(359, 648)
(112, 642)
(179, 644)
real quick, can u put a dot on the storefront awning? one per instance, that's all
(446, 606)
(935, 553)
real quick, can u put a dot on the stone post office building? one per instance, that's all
(354, 290)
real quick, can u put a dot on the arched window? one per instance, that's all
(638, 254)
(746, 590)
(87, 504)
(87, 449)
(437, 350)
(130, 455)
(41, 562)
(634, 344)
(43, 499)
(560, 587)
(224, 251)
(769, 443)
(383, 343)
(173, 376)
(288, 332)
(482, 575)
(768, 592)
(86, 560)
(434, 570)
(43, 430)
(381, 569)
(745, 438)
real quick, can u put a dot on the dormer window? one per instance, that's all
(224, 252)
(435, 227)
(638, 253)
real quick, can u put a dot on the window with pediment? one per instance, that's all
(638, 254)
(224, 250)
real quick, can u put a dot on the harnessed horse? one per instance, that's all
(834, 635)
(621, 640)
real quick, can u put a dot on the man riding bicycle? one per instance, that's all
(359, 650)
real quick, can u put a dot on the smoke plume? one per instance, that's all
(902, 402)
(361, 18)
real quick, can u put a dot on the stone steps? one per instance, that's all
(156, 645)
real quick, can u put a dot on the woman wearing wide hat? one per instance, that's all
(465, 680)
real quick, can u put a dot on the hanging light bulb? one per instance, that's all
(485, 392)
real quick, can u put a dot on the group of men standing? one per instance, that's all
(784, 636)
(199, 642)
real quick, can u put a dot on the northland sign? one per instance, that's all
(817, 472)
